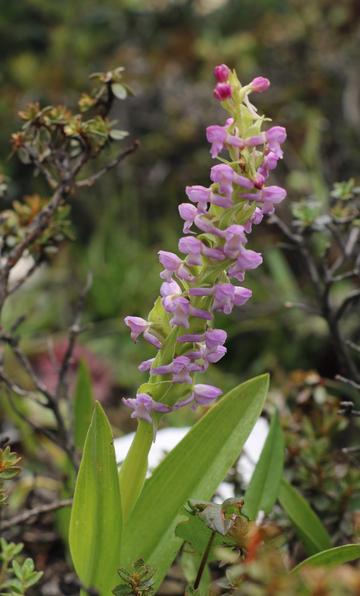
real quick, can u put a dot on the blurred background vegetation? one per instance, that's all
(309, 49)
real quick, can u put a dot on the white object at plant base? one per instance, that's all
(168, 438)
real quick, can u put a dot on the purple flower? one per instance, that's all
(201, 395)
(173, 265)
(143, 405)
(179, 306)
(222, 91)
(188, 213)
(145, 365)
(273, 194)
(223, 175)
(226, 296)
(200, 195)
(192, 247)
(234, 239)
(205, 394)
(180, 369)
(139, 326)
(260, 84)
(276, 134)
(219, 135)
(221, 73)
(255, 219)
(248, 259)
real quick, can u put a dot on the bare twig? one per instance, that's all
(111, 165)
(348, 381)
(32, 514)
(74, 332)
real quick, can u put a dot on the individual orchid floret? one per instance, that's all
(143, 405)
(200, 195)
(225, 177)
(222, 91)
(194, 248)
(218, 136)
(247, 259)
(139, 326)
(173, 265)
(275, 136)
(260, 84)
(202, 395)
(188, 213)
(180, 368)
(255, 219)
(226, 296)
(234, 240)
(221, 73)
(145, 365)
(180, 307)
(205, 394)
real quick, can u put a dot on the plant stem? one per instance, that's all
(133, 470)
(203, 561)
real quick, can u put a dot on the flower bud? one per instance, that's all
(222, 91)
(260, 84)
(221, 73)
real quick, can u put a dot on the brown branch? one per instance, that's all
(348, 301)
(74, 332)
(110, 166)
(28, 514)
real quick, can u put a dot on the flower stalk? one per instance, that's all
(205, 280)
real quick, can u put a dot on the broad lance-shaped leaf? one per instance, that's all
(96, 517)
(310, 529)
(83, 404)
(264, 486)
(194, 469)
(331, 557)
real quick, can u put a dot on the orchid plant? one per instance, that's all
(121, 521)
(194, 288)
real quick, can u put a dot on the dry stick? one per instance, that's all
(26, 515)
(111, 165)
(74, 332)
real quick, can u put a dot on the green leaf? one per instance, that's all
(264, 486)
(118, 135)
(96, 516)
(119, 90)
(83, 404)
(194, 469)
(310, 529)
(332, 556)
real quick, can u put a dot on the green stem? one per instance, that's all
(204, 561)
(133, 470)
